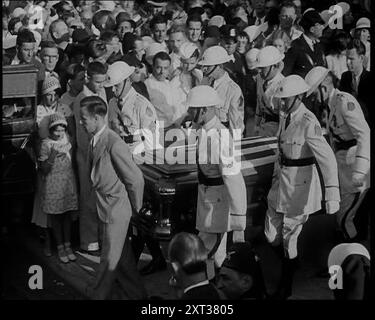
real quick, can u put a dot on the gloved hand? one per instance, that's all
(238, 236)
(358, 179)
(237, 222)
(332, 206)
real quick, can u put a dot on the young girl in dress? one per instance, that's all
(59, 194)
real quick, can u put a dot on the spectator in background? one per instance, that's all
(25, 54)
(234, 66)
(240, 276)
(97, 51)
(336, 58)
(158, 26)
(59, 193)
(187, 76)
(258, 15)
(243, 43)
(281, 41)
(113, 46)
(362, 32)
(124, 24)
(177, 37)
(288, 21)
(76, 81)
(163, 96)
(357, 80)
(306, 52)
(194, 27)
(49, 55)
(188, 258)
(86, 18)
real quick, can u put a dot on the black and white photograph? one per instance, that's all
(187, 155)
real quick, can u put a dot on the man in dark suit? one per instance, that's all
(188, 257)
(118, 184)
(306, 52)
(235, 66)
(356, 80)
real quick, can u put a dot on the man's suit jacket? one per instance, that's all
(364, 88)
(300, 59)
(117, 180)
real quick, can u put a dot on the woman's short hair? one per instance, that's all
(189, 251)
(94, 105)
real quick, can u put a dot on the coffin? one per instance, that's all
(171, 189)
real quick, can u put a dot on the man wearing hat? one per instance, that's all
(353, 261)
(221, 203)
(270, 64)
(231, 108)
(234, 66)
(306, 51)
(130, 114)
(351, 143)
(296, 190)
(240, 276)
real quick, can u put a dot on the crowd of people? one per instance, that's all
(295, 69)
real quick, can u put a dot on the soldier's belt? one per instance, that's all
(345, 145)
(296, 162)
(202, 179)
(270, 117)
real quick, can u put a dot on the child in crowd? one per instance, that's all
(59, 195)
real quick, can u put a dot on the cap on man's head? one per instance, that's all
(80, 36)
(212, 32)
(228, 32)
(310, 19)
(241, 257)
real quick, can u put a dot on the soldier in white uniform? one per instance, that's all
(350, 139)
(221, 205)
(130, 114)
(296, 190)
(270, 64)
(231, 111)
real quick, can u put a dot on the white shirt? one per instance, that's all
(309, 42)
(96, 136)
(199, 284)
(165, 98)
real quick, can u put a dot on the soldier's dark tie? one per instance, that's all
(287, 121)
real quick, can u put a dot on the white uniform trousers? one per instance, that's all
(280, 228)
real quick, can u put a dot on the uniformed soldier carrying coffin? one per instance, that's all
(221, 205)
(296, 190)
(350, 139)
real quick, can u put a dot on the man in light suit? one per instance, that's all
(118, 185)
(297, 190)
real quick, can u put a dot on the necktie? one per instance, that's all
(287, 121)
(355, 85)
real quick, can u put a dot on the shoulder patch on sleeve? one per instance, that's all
(351, 106)
(308, 116)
